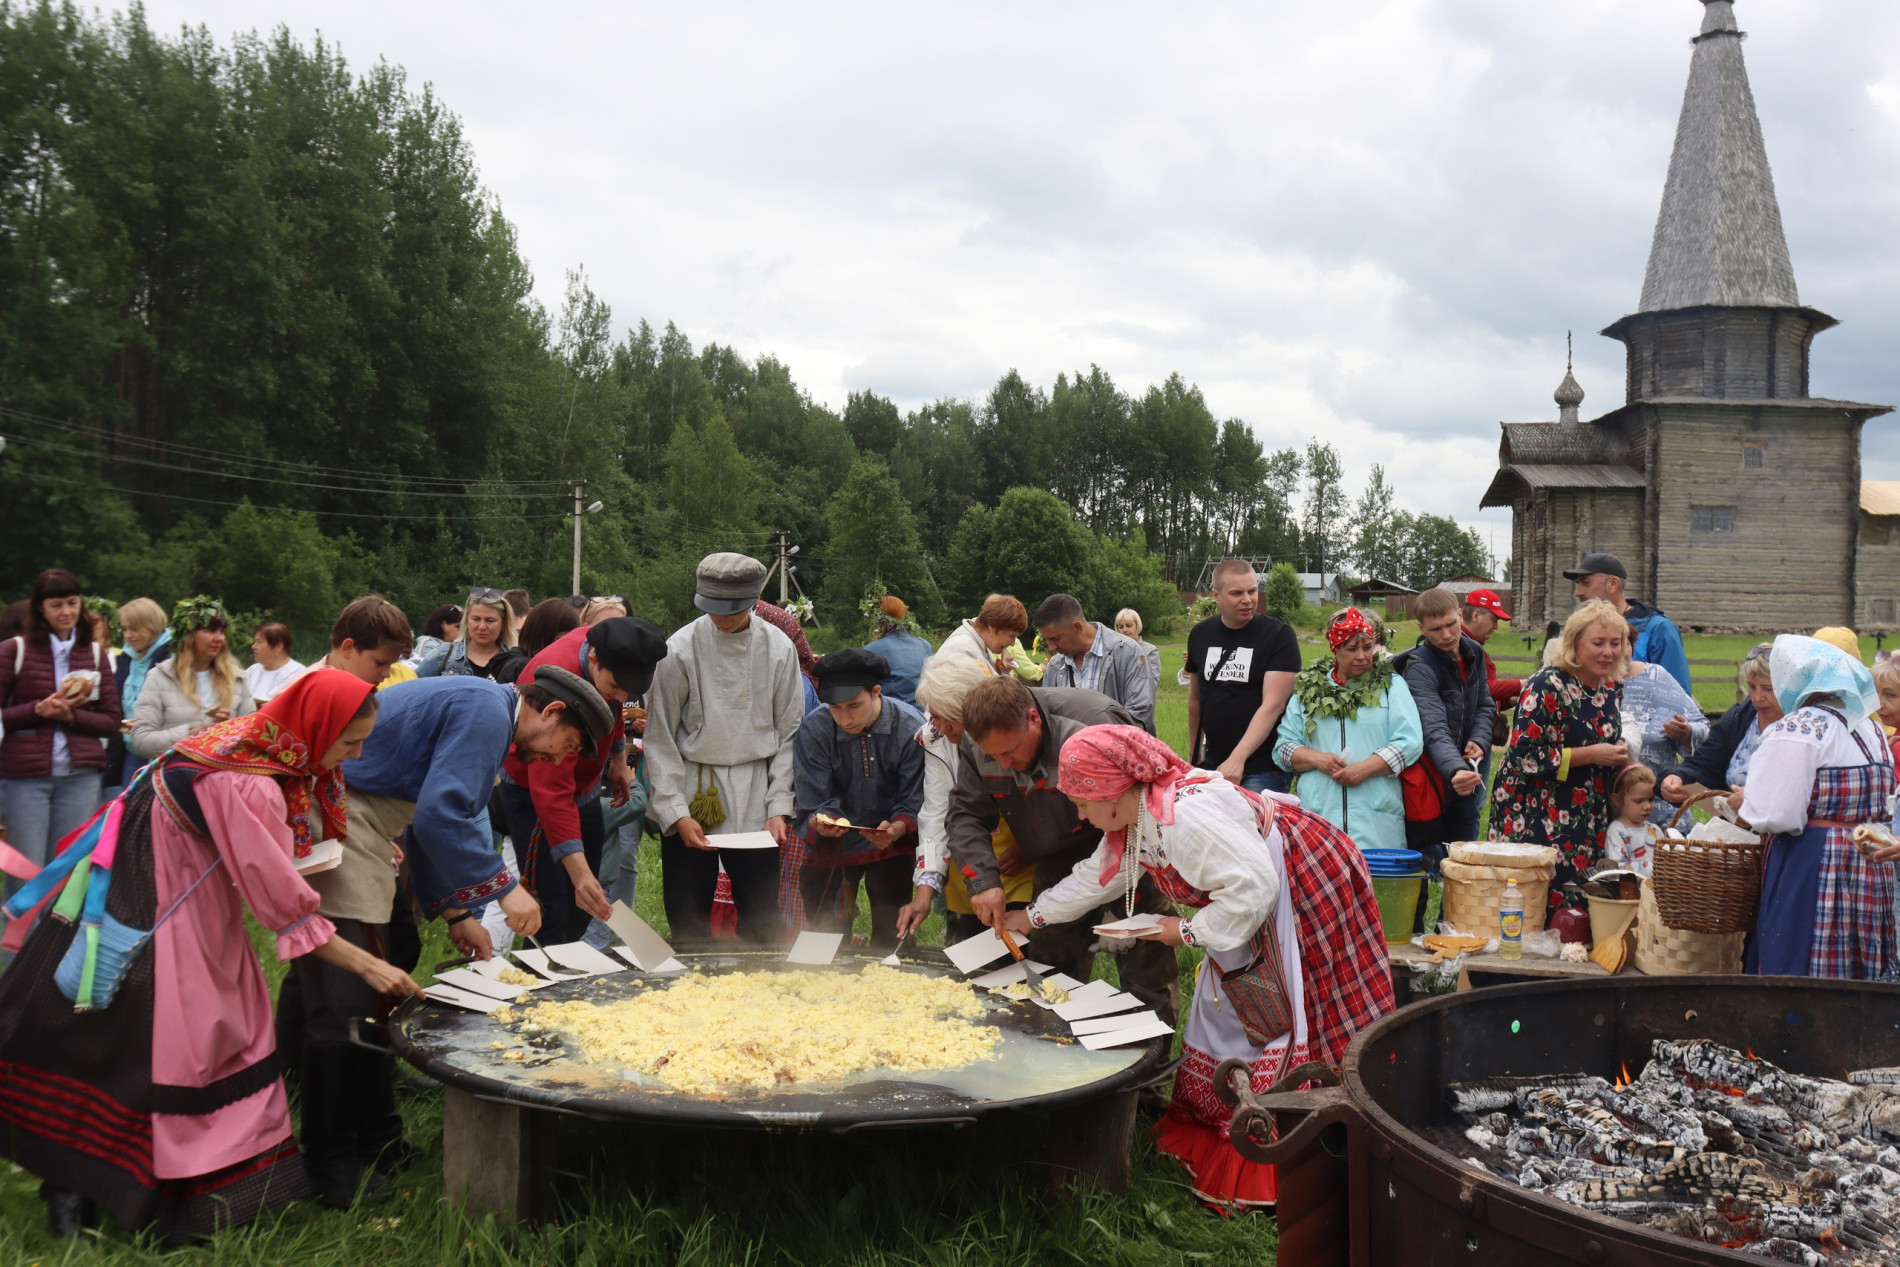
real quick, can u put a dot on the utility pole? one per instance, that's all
(580, 489)
(784, 569)
(581, 512)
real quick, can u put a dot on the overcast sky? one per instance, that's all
(1369, 222)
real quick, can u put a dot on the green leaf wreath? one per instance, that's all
(1321, 696)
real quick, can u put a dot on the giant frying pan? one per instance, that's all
(1031, 1071)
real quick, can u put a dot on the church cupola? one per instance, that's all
(1569, 393)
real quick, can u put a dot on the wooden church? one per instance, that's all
(1731, 494)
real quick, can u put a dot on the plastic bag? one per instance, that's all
(1725, 832)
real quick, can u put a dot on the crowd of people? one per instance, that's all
(498, 772)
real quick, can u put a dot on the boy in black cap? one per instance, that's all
(554, 813)
(860, 779)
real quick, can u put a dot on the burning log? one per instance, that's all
(1708, 1143)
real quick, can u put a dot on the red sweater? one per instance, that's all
(1504, 691)
(553, 786)
(27, 751)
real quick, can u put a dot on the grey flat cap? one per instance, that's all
(596, 715)
(728, 583)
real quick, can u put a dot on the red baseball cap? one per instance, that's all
(1489, 601)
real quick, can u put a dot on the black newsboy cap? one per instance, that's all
(628, 647)
(843, 673)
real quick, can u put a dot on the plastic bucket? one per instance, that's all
(1398, 904)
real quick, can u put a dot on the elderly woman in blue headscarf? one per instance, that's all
(1823, 769)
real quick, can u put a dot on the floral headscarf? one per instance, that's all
(287, 738)
(1099, 763)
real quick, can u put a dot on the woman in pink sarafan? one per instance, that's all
(1271, 886)
(164, 1102)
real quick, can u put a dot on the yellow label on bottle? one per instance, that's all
(1513, 925)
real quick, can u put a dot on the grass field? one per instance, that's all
(915, 1199)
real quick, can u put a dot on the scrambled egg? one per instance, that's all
(515, 976)
(1053, 993)
(1014, 990)
(759, 1030)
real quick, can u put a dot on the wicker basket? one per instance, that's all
(1662, 951)
(1471, 897)
(1707, 886)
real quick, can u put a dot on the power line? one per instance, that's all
(296, 510)
(275, 479)
(173, 448)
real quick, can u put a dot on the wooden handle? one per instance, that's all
(1009, 941)
(1675, 819)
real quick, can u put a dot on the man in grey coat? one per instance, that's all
(1088, 654)
(1006, 771)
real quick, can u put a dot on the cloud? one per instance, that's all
(1371, 223)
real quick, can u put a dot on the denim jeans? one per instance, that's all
(39, 813)
(1268, 781)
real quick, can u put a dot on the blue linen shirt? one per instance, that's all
(871, 777)
(439, 742)
(906, 653)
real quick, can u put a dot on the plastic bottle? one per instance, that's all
(1511, 923)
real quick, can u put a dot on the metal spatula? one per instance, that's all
(1031, 977)
(552, 961)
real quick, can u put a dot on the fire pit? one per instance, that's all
(1368, 1175)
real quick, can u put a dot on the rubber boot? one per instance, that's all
(67, 1213)
(330, 1118)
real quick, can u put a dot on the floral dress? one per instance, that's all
(1540, 797)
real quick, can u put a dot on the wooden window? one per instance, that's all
(1752, 457)
(1881, 611)
(1712, 518)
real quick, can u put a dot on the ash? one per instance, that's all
(1708, 1143)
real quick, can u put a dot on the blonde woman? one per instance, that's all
(941, 690)
(148, 644)
(1128, 625)
(488, 629)
(1553, 786)
(200, 686)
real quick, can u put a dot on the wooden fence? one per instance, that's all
(1731, 670)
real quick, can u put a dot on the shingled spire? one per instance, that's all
(1718, 239)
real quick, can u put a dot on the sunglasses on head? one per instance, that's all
(486, 596)
(608, 598)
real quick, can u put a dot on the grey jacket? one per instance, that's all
(1127, 678)
(1042, 819)
(1453, 709)
(163, 715)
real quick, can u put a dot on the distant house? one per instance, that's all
(1877, 570)
(1320, 587)
(1397, 598)
(1463, 585)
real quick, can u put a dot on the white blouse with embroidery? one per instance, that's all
(1793, 751)
(1213, 843)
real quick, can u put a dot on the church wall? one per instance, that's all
(1553, 529)
(1877, 573)
(1767, 545)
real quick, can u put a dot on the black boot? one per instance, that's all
(67, 1213)
(379, 1141)
(330, 1117)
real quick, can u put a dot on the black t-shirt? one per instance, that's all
(1233, 664)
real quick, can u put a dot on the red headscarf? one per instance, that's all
(1346, 625)
(287, 738)
(1101, 762)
